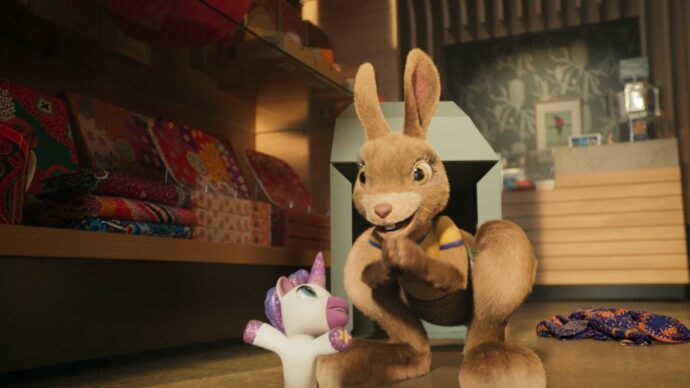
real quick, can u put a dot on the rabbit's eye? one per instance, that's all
(422, 172)
(362, 177)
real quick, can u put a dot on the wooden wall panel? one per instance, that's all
(596, 193)
(618, 205)
(610, 248)
(604, 220)
(651, 175)
(626, 233)
(601, 228)
(644, 276)
(367, 31)
(656, 261)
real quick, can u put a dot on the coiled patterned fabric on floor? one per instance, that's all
(631, 327)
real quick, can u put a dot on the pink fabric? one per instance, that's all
(279, 181)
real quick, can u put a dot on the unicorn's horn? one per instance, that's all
(317, 275)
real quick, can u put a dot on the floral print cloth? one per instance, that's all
(14, 158)
(198, 160)
(115, 208)
(47, 117)
(115, 139)
(130, 227)
(113, 184)
(279, 181)
(631, 327)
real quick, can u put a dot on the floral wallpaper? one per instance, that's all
(496, 82)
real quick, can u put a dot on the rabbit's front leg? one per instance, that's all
(408, 256)
(379, 273)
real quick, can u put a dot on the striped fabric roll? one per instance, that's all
(114, 184)
(115, 208)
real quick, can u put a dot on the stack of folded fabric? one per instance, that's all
(226, 219)
(99, 200)
(297, 229)
(220, 196)
(121, 188)
(295, 224)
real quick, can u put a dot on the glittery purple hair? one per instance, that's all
(317, 275)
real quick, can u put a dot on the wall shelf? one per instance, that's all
(29, 241)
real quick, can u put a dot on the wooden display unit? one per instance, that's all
(30, 241)
(77, 295)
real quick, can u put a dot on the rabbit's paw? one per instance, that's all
(405, 254)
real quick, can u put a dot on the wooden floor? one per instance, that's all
(586, 363)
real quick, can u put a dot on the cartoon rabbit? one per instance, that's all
(306, 322)
(413, 265)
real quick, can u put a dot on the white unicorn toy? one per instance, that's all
(306, 322)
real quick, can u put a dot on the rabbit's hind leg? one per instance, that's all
(502, 277)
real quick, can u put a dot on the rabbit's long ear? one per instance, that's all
(422, 93)
(367, 103)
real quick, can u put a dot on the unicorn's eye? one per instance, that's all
(422, 172)
(306, 291)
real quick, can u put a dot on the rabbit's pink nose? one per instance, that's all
(383, 209)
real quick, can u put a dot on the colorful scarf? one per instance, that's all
(47, 117)
(114, 184)
(129, 227)
(114, 138)
(631, 327)
(14, 161)
(196, 159)
(115, 208)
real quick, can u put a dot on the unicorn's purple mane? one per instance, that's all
(302, 276)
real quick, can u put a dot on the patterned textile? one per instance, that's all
(47, 117)
(203, 233)
(229, 204)
(229, 221)
(115, 208)
(631, 327)
(279, 181)
(130, 227)
(198, 160)
(114, 138)
(14, 158)
(114, 184)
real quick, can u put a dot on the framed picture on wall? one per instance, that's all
(557, 120)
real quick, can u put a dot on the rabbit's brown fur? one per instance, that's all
(485, 297)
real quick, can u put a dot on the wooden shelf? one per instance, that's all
(29, 241)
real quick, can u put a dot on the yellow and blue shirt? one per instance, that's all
(444, 235)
